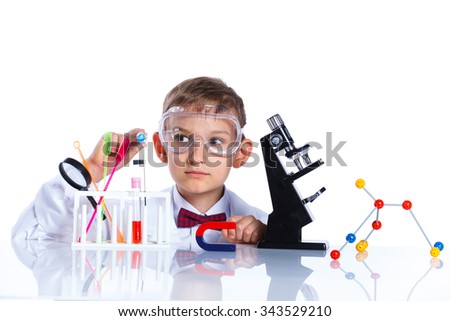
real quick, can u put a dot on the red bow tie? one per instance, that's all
(187, 218)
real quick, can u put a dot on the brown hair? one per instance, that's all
(205, 90)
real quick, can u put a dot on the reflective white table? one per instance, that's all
(57, 271)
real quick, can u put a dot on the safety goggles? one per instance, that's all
(214, 128)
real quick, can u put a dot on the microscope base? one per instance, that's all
(293, 246)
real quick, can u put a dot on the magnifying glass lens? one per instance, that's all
(75, 175)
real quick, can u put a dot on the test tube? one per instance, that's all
(130, 224)
(137, 222)
(114, 225)
(99, 235)
(83, 223)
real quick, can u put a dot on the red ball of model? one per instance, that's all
(335, 254)
(407, 205)
(376, 225)
(379, 204)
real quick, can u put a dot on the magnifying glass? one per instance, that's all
(77, 176)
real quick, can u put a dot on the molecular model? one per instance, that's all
(362, 245)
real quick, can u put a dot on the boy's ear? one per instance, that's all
(243, 153)
(159, 148)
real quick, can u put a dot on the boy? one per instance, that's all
(200, 138)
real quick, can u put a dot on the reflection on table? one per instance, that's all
(170, 273)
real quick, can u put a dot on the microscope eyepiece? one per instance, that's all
(275, 122)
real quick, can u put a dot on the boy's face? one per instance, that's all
(200, 149)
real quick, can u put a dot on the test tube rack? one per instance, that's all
(94, 229)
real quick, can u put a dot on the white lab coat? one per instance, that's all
(50, 215)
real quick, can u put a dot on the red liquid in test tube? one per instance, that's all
(136, 227)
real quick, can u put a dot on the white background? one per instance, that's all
(374, 74)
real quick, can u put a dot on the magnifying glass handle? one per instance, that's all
(93, 202)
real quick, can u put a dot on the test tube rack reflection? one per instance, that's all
(92, 228)
(123, 274)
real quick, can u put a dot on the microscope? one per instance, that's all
(290, 212)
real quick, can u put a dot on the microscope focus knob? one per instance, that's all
(276, 140)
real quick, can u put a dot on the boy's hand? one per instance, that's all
(248, 230)
(98, 160)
